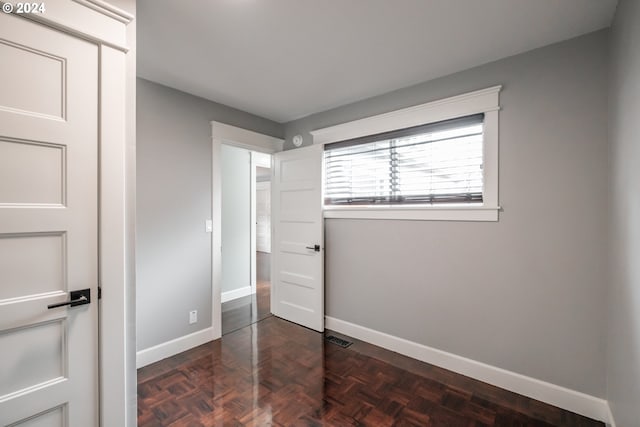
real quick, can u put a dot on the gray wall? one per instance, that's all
(525, 293)
(236, 217)
(623, 356)
(173, 259)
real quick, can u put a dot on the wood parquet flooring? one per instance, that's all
(275, 373)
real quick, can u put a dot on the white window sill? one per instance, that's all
(414, 213)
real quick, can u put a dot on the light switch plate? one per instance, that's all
(208, 226)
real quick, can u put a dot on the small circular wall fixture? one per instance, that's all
(297, 140)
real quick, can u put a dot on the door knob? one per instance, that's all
(314, 247)
(81, 297)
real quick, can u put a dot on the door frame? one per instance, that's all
(222, 133)
(109, 28)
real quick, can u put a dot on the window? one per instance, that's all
(429, 164)
(434, 161)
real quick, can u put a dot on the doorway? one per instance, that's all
(245, 237)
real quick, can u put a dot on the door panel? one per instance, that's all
(51, 418)
(297, 271)
(43, 344)
(34, 260)
(20, 185)
(48, 225)
(36, 86)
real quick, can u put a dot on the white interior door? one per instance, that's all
(48, 226)
(297, 258)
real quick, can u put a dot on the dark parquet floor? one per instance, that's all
(275, 373)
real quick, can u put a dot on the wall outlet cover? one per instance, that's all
(193, 317)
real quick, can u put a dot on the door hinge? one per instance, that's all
(99, 292)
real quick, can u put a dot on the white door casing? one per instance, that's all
(297, 258)
(48, 225)
(222, 133)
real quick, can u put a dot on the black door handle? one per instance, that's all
(81, 297)
(314, 247)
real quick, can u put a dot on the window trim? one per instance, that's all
(485, 101)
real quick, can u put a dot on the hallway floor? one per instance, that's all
(276, 373)
(241, 312)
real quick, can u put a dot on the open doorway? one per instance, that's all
(246, 237)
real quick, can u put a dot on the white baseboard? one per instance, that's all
(162, 351)
(562, 397)
(236, 293)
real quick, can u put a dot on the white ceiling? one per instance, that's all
(285, 59)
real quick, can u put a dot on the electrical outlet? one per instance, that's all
(193, 317)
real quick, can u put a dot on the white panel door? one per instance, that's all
(48, 226)
(298, 237)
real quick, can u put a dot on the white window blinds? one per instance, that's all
(433, 163)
